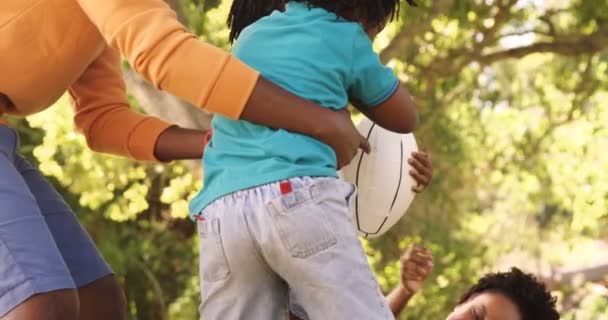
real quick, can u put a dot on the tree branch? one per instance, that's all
(406, 35)
(570, 47)
(597, 273)
(525, 32)
(156, 287)
(500, 18)
(164, 105)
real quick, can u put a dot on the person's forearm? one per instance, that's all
(177, 143)
(276, 108)
(398, 299)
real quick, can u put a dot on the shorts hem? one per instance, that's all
(88, 279)
(20, 293)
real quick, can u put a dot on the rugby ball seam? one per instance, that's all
(357, 183)
(400, 178)
(369, 133)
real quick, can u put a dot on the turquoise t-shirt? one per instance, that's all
(311, 53)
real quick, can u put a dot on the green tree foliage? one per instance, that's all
(512, 102)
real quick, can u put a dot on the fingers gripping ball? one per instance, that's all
(385, 187)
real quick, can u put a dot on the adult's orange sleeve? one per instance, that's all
(104, 116)
(160, 48)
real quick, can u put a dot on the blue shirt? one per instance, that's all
(311, 53)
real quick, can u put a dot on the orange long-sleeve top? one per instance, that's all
(48, 47)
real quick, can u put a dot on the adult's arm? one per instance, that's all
(109, 124)
(148, 34)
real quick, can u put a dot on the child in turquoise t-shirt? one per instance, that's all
(273, 216)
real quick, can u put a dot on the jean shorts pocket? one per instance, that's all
(304, 228)
(213, 263)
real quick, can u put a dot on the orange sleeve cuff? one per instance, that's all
(232, 89)
(142, 140)
(104, 116)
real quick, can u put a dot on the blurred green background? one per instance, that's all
(512, 98)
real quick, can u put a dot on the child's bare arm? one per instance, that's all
(398, 113)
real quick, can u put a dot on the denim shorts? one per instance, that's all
(286, 243)
(43, 247)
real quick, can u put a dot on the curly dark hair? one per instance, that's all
(245, 12)
(373, 12)
(530, 295)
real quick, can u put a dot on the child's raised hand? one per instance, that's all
(423, 170)
(416, 266)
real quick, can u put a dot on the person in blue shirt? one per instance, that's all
(506, 295)
(272, 215)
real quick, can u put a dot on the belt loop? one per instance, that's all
(314, 191)
(289, 200)
(209, 226)
(215, 226)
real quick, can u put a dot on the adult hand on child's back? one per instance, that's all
(344, 138)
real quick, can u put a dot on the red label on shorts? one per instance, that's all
(285, 187)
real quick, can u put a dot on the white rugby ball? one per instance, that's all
(382, 179)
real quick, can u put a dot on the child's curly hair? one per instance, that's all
(530, 296)
(372, 12)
